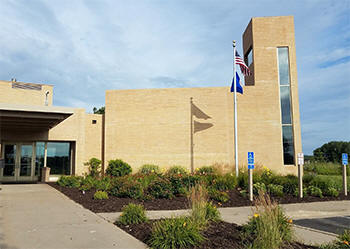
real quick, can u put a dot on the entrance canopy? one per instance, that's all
(24, 117)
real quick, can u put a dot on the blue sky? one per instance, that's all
(86, 47)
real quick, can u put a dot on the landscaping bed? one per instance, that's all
(115, 204)
(218, 235)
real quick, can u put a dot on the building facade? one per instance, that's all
(191, 127)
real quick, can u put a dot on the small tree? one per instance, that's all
(331, 152)
(101, 110)
(94, 167)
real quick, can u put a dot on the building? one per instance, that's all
(191, 127)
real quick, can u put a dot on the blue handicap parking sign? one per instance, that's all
(250, 160)
(345, 158)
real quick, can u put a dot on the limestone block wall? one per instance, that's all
(11, 95)
(153, 126)
(87, 137)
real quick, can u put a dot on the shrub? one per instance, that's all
(176, 233)
(296, 192)
(118, 168)
(206, 170)
(314, 191)
(87, 183)
(267, 176)
(212, 213)
(325, 182)
(259, 187)
(100, 195)
(275, 190)
(127, 187)
(332, 192)
(149, 169)
(269, 227)
(133, 214)
(242, 180)
(160, 188)
(103, 184)
(69, 181)
(94, 167)
(177, 170)
(217, 195)
(289, 183)
(224, 182)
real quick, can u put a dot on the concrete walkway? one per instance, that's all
(240, 216)
(38, 216)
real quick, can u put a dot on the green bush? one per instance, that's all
(259, 187)
(332, 192)
(314, 191)
(100, 195)
(289, 183)
(87, 183)
(224, 182)
(176, 233)
(242, 180)
(325, 182)
(69, 181)
(118, 168)
(182, 183)
(177, 170)
(206, 170)
(94, 167)
(149, 169)
(275, 190)
(296, 192)
(132, 214)
(103, 184)
(217, 195)
(127, 187)
(212, 213)
(160, 188)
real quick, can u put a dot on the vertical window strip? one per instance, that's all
(286, 113)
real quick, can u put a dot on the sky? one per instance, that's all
(86, 47)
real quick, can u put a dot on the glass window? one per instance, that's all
(286, 113)
(288, 144)
(58, 158)
(39, 159)
(249, 57)
(285, 105)
(283, 65)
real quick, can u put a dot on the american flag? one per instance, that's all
(244, 69)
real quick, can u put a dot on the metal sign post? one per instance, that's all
(250, 173)
(300, 173)
(345, 162)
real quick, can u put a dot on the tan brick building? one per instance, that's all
(163, 126)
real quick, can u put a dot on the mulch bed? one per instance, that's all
(219, 235)
(115, 204)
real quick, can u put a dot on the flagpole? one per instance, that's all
(235, 105)
(191, 151)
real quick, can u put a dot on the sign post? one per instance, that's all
(345, 162)
(300, 173)
(250, 173)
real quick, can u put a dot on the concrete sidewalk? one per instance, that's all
(38, 216)
(240, 216)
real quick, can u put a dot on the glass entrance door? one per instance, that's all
(18, 162)
(10, 159)
(25, 161)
